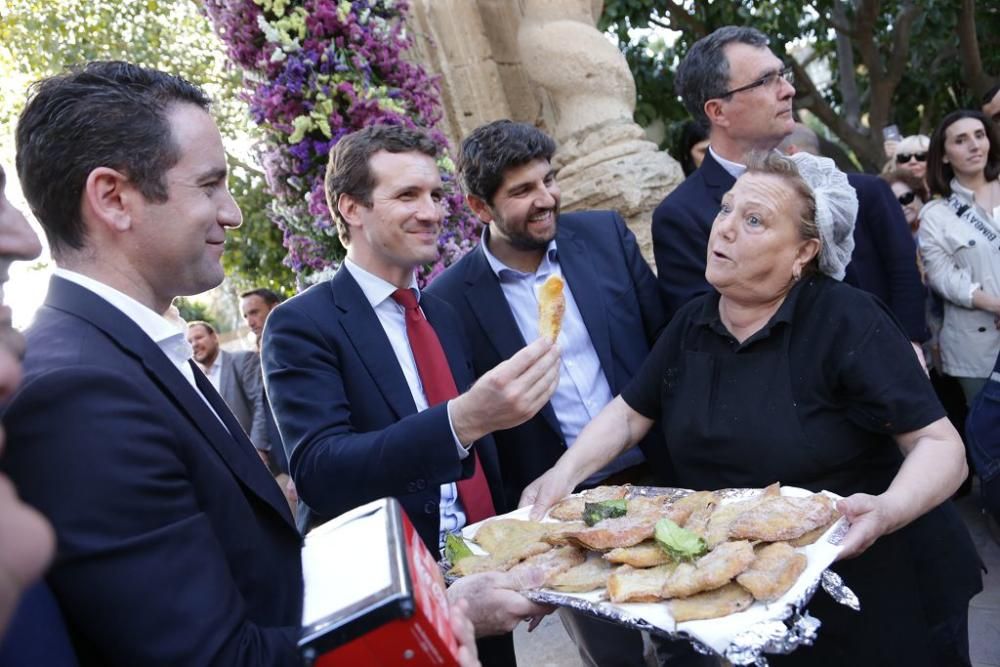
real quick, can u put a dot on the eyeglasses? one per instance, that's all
(906, 199)
(769, 79)
(903, 158)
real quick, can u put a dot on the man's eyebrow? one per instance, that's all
(212, 175)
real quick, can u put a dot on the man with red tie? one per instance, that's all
(364, 372)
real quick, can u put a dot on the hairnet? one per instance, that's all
(836, 211)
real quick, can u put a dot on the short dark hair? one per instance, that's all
(103, 114)
(348, 170)
(704, 72)
(939, 174)
(269, 297)
(491, 149)
(202, 323)
(908, 179)
(990, 94)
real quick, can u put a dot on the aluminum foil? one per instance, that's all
(785, 630)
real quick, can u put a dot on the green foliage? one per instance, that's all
(192, 311)
(39, 38)
(254, 254)
(935, 79)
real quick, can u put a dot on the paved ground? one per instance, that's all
(549, 646)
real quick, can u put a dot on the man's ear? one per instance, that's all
(348, 207)
(480, 208)
(109, 198)
(714, 109)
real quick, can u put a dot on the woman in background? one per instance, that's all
(960, 244)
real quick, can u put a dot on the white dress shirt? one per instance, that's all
(583, 388)
(392, 317)
(167, 335)
(214, 372)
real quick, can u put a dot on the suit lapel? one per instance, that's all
(574, 259)
(227, 378)
(489, 305)
(234, 448)
(717, 180)
(365, 331)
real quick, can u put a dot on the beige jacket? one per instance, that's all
(961, 256)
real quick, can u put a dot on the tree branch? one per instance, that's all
(686, 20)
(845, 67)
(972, 62)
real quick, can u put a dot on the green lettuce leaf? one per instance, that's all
(679, 543)
(455, 548)
(606, 509)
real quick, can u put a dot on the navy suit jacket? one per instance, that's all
(175, 544)
(884, 261)
(346, 416)
(617, 296)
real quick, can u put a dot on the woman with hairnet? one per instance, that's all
(786, 374)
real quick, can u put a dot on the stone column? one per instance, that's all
(604, 159)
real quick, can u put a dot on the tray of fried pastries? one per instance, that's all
(730, 570)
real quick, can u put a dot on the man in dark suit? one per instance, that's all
(175, 545)
(613, 315)
(358, 401)
(732, 83)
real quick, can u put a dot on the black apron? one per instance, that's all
(730, 421)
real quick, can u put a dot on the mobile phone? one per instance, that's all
(891, 133)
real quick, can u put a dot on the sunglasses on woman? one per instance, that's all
(903, 158)
(906, 198)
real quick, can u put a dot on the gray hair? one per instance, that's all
(704, 73)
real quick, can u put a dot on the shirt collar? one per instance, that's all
(709, 314)
(164, 332)
(735, 169)
(375, 289)
(549, 260)
(962, 190)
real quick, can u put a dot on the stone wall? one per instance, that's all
(543, 62)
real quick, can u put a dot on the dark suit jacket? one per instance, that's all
(884, 262)
(616, 293)
(345, 412)
(175, 544)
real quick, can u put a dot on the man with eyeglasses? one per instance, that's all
(732, 83)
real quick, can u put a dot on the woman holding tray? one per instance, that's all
(786, 374)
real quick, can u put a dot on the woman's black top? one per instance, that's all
(813, 400)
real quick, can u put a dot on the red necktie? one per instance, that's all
(439, 386)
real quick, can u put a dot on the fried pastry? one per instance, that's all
(782, 518)
(813, 535)
(729, 599)
(512, 539)
(551, 306)
(698, 507)
(774, 570)
(553, 562)
(644, 554)
(717, 531)
(625, 531)
(556, 532)
(713, 570)
(629, 584)
(589, 575)
(571, 509)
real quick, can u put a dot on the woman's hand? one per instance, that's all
(870, 517)
(545, 492)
